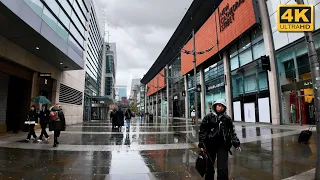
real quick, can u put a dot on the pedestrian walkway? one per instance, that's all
(152, 150)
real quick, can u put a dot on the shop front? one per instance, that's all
(296, 90)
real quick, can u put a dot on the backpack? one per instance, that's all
(54, 115)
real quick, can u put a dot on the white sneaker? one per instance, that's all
(28, 140)
(39, 140)
(47, 139)
(32, 138)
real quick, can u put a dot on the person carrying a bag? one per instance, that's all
(216, 137)
(32, 121)
(57, 122)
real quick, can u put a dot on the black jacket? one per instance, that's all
(210, 126)
(32, 118)
(44, 117)
(59, 125)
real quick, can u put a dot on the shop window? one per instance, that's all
(303, 64)
(244, 43)
(234, 63)
(245, 57)
(258, 50)
(250, 83)
(256, 35)
(237, 85)
(263, 81)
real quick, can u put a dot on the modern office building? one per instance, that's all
(135, 89)
(229, 49)
(42, 46)
(121, 91)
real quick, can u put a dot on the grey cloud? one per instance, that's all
(141, 29)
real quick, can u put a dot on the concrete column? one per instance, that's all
(203, 93)
(152, 110)
(145, 100)
(168, 98)
(270, 51)
(228, 87)
(103, 70)
(185, 78)
(35, 87)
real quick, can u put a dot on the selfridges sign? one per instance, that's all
(226, 16)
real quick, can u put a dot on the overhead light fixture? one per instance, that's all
(37, 48)
(61, 63)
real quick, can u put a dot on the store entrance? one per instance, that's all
(18, 101)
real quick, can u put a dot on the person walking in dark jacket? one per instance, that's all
(216, 137)
(32, 120)
(118, 119)
(57, 124)
(128, 116)
(44, 121)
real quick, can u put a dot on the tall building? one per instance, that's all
(231, 43)
(42, 47)
(121, 91)
(135, 89)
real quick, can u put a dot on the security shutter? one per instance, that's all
(69, 95)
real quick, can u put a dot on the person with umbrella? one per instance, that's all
(44, 121)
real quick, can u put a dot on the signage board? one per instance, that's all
(45, 74)
(295, 18)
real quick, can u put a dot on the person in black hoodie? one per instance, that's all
(32, 120)
(44, 121)
(216, 137)
(57, 125)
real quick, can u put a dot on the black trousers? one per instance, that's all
(43, 131)
(220, 153)
(31, 132)
(56, 135)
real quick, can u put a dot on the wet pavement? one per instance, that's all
(156, 150)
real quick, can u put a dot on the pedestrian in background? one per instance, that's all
(193, 116)
(216, 137)
(32, 120)
(44, 121)
(128, 116)
(57, 122)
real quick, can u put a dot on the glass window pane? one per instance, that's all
(280, 39)
(256, 35)
(245, 57)
(76, 34)
(317, 40)
(79, 12)
(64, 18)
(49, 19)
(77, 23)
(317, 15)
(63, 33)
(244, 43)
(263, 81)
(66, 6)
(234, 63)
(35, 5)
(258, 50)
(82, 5)
(250, 84)
(233, 50)
(53, 6)
(237, 85)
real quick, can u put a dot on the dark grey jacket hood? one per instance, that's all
(219, 101)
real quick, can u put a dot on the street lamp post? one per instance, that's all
(195, 82)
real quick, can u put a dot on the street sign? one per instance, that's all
(45, 74)
(295, 18)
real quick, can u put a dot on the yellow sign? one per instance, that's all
(295, 17)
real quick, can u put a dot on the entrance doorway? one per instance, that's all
(18, 102)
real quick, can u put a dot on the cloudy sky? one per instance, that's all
(141, 29)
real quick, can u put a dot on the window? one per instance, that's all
(52, 4)
(64, 19)
(83, 7)
(263, 81)
(79, 12)
(234, 63)
(66, 6)
(245, 57)
(77, 23)
(76, 34)
(35, 5)
(62, 32)
(49, 19)
(258, 50)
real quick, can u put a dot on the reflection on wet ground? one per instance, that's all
(267, 153)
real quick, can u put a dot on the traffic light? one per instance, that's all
(265, 60)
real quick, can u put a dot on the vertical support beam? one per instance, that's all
(228, 88)
(168, 98)
(295, 63)
(35, 87)
(103, 70)
(272, 75)
(161, 98)
(157, 105)
(203, 93)
(186, 104)
(145, 100)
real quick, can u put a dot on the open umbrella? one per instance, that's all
(41, 99)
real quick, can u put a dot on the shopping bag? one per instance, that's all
(201, 163)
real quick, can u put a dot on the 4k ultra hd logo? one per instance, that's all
(295, 18)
